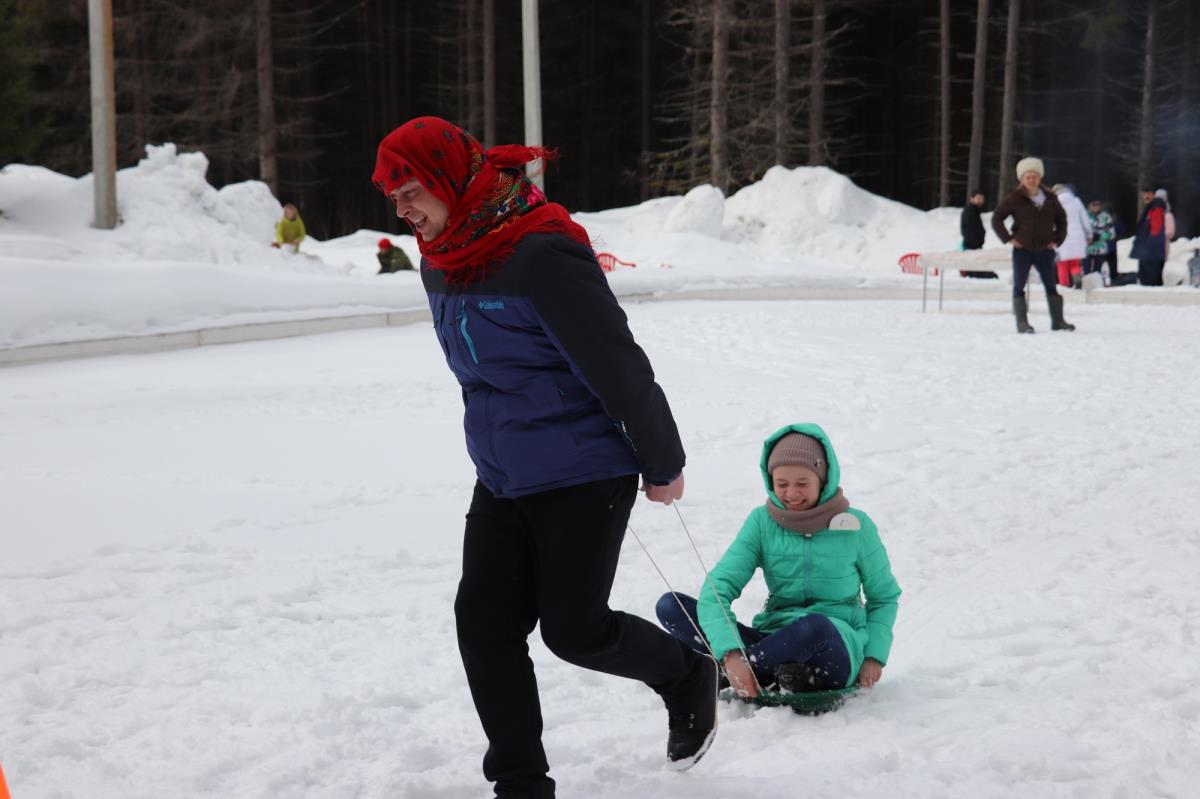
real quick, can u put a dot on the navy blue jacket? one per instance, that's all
(557, 392)
(970, 225)
(1150, 242)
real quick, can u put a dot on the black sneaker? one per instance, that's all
(693, 728)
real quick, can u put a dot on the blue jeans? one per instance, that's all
(1092, 263)
(811, 639)
(1042, 260)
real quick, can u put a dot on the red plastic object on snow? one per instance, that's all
(609, 262)
(910, 263)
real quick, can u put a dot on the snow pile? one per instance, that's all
(185, 256)
(188, 256)
(170, 211)
(809, 222)
(1175, 270)
(820, 214)
(702, 210)
(356, 253)
(166, 207)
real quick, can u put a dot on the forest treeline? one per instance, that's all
(917, 100)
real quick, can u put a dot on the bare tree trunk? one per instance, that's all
(409, 88)
(816, 91)
(368, 70)
(696, 155)
(977, 98)
(644, 161)
(718, 147)
(384, 91)
(489, 73)
(584, 186)
(783, 19)
(1185, 131)
(1099, 184)
(139, 83)
(268, 132)
(1146, 128)
(459, 40)
(474, 87)
(1010, 98)
(944, 105)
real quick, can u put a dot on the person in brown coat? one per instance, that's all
(1039, 227)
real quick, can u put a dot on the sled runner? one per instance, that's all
(806, 703)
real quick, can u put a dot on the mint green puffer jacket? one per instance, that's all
(828, 572)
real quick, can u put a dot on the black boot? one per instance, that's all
(1056, 313)
(693, 721)
(1021, 311)
(795, 677)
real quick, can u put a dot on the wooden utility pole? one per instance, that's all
(783, 20)
(104, 115)
(268, 132)
(718, 146)
(533, 85)
(977, 96)
(1146, 126)
(1004, 179)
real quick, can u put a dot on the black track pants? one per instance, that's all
(551, 558)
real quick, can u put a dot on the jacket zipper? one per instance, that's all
(807, 566)
(441, 334)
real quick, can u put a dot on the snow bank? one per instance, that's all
(167, 210)
(702, 210)
(806, 221)
(185, 256)
(817, 213)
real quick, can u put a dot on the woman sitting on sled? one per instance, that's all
(819, 556)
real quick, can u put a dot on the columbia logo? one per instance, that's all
(491, 305)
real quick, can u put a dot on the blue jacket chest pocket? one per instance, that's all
(462, 322)
(453, 323)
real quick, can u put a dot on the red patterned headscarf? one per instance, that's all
(492, 205)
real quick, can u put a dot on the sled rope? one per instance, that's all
(708, 581)
(717, 596)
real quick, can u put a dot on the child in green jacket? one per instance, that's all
(289, 231)
(820, 558)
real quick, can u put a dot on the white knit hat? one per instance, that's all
(1030, 164)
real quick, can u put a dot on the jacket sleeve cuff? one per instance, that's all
(880, 655)
(659, 482)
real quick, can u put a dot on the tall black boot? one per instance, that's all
(1021, 311)
(1056, 313)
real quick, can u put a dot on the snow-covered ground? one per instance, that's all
(229, 571)
(188, 256)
